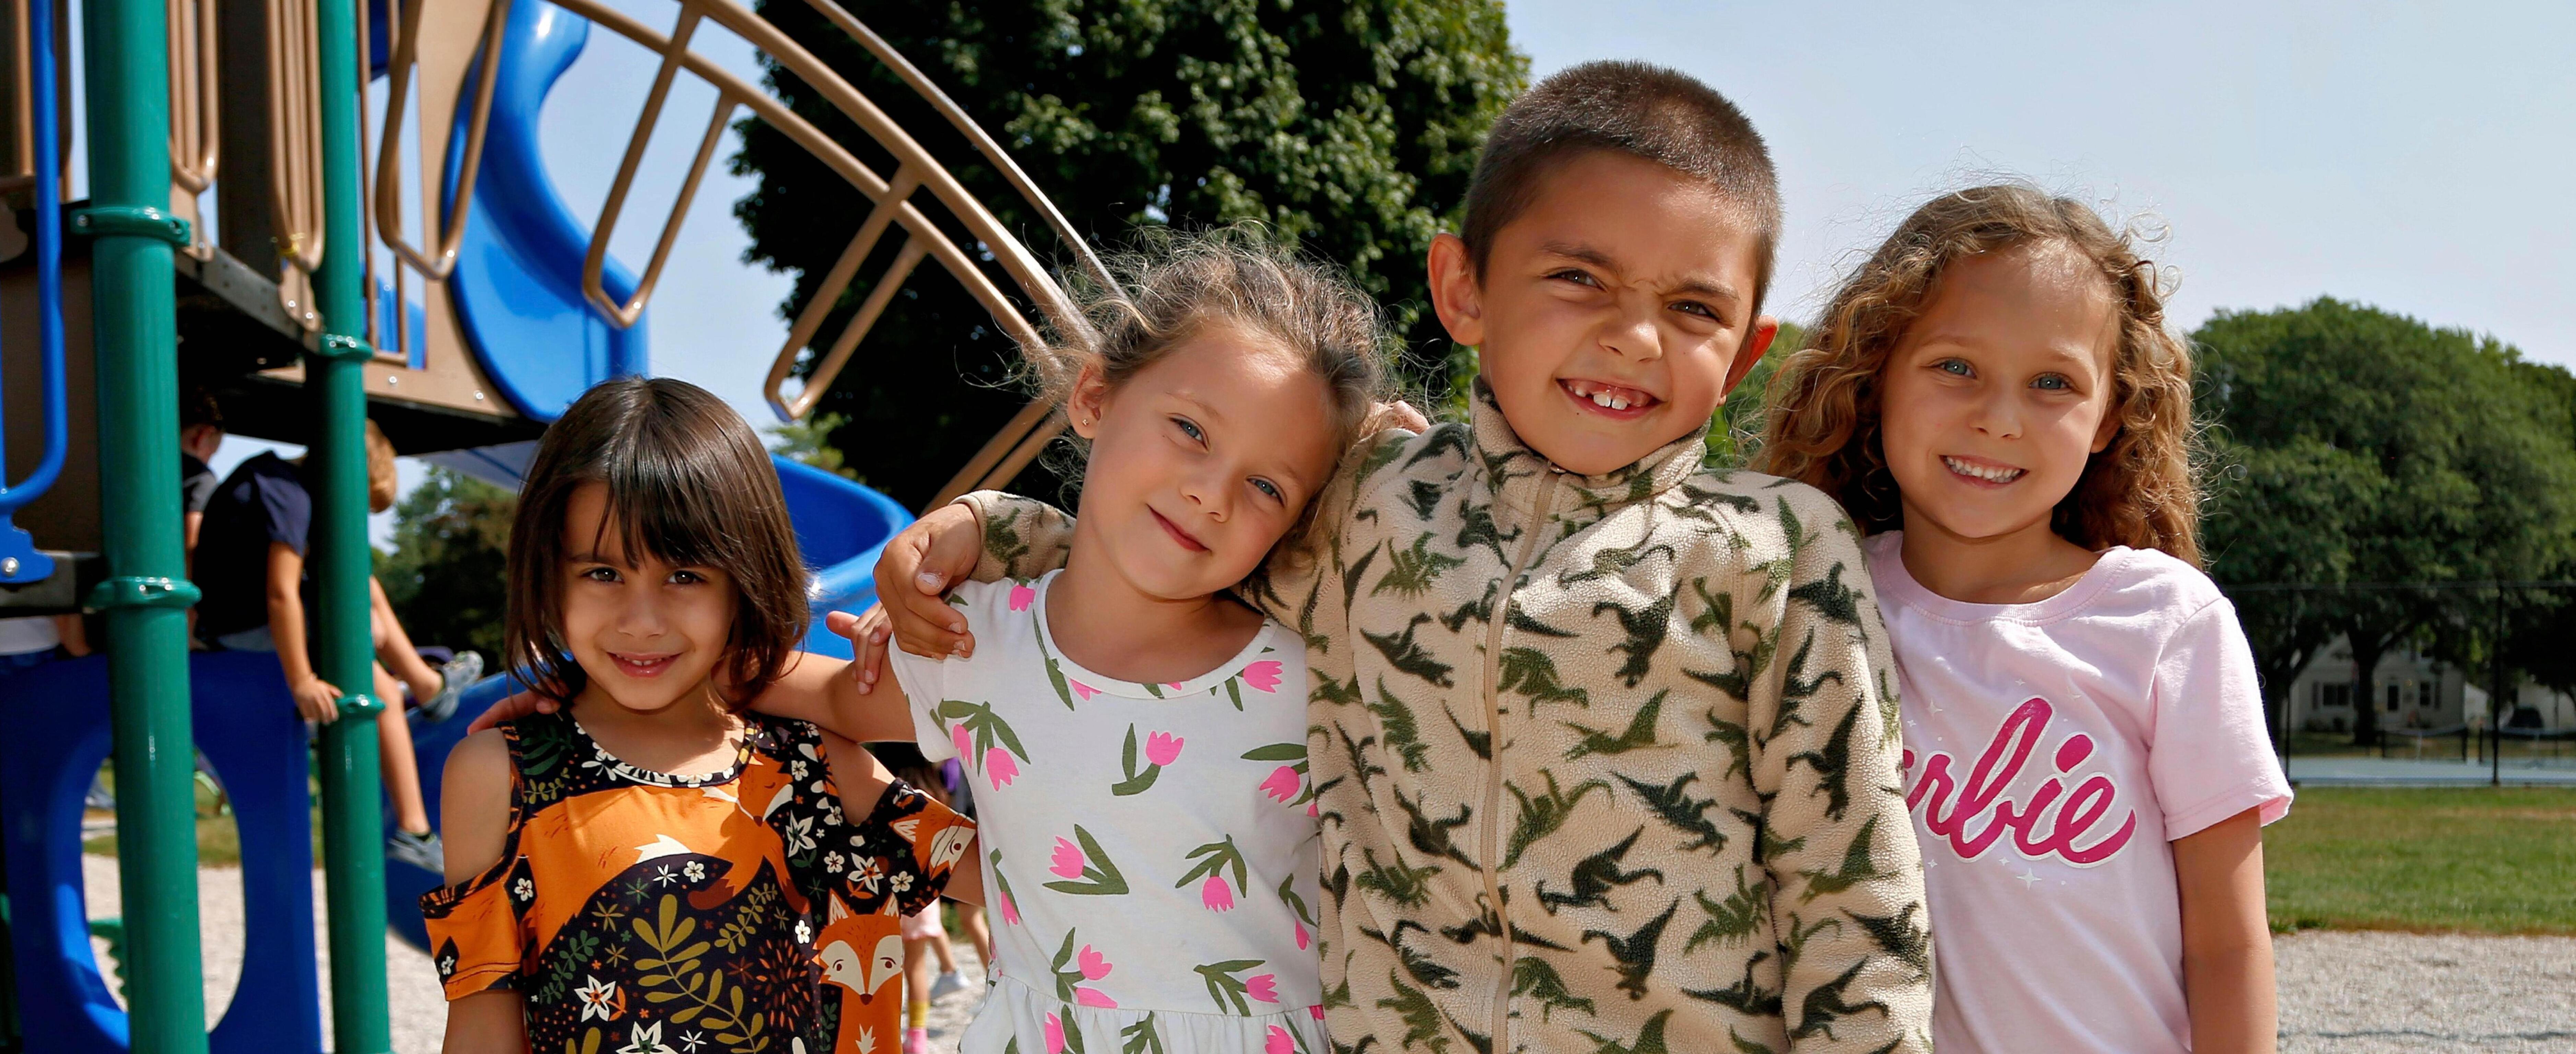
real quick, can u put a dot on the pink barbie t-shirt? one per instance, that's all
(2053, 750)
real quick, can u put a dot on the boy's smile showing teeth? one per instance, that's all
(1620, 400)
(1978, 469)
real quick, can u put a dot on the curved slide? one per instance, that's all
(517, 291)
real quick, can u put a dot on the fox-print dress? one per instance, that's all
(736, 911)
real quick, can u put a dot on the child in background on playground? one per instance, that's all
(253, 584)
(1997, 400)
(970, 917)
(925, 938)
(201, 433)
(649, 868)
(1604, 742)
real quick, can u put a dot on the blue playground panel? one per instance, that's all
(246, 725)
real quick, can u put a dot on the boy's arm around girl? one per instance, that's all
(1815, 769)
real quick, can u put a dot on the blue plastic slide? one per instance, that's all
(517, 291)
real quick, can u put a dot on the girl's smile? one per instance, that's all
(1185, 539)
(1979, 471)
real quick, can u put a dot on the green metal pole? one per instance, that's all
(136, 339)
(353, 832)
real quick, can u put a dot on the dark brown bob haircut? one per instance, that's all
(689, 484)
(1632, 108)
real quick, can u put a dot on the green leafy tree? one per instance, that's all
(1350, 126)
(448, 574)
(808, 441)
(2360, 446)
(1735, 430)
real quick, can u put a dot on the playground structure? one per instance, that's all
(490, 308)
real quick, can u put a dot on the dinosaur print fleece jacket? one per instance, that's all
(1603, 763)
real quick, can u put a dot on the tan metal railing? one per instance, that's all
(437, 260)
(915, 170)
(21, 172)
(295, 154)
(195, 97)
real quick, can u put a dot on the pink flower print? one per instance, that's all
(1174, 685)
(1094, 966)
(1010, 911)
(1054, 1035)
(1264, 987)
(1022, 596)
(1317, 1010)
(1263, 676)
(1068, 860)
(1278, 1042)
(965, 742)
(1282, 784)
(1092, 997)
(1000, 768)
(1163, 748)
(1301, 934)
(1212, 893)
(1310, 810)
(1083, 690)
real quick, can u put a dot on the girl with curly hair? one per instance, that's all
(1995, 397)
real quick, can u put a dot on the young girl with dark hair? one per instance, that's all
(649, 868)
(1996, 398)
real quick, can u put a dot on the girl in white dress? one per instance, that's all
(1137, 736)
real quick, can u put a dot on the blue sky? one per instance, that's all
(2412, 156)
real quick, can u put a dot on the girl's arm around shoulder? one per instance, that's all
(827, 692)
(474, 805)
(2226, 940)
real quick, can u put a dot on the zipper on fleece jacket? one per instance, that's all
(1494, 763)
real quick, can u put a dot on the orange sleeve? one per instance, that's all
(476, 931)
(914, 844)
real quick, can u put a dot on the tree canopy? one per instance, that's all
(1350, 126)
(2359, 446)
(448, 575)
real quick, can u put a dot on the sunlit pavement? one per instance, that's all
(2401, 772)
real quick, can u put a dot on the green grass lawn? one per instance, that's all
(2479, 860)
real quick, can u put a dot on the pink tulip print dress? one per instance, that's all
(1150, 849)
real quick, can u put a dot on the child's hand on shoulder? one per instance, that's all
(936, 552)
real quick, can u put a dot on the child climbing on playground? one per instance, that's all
(1604, 744)
(1996, 398)
(650, 868)
(249, 561)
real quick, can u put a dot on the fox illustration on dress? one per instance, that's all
(862, 956)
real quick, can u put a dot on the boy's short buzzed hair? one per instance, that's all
(1633, 108)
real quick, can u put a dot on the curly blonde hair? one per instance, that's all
(2142, 490)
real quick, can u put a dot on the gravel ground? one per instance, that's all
(2349, 993)
(2367, 993)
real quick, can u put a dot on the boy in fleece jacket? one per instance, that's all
(1604, 745)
